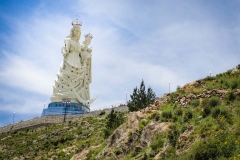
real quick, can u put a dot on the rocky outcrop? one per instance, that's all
(80, 156)
(192, 85)
(184, 136)
(128, 137)
(83, 153)
(237, 92)
(235, 70)
(184, 100)
(135, 117)
(150, 130)
(184, 141)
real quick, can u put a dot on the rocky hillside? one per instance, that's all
(201, 121)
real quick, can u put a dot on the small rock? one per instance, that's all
(35, 141)
(157, 103)
(183, 138)
(138, 149)
(111, 155)
(85, 123)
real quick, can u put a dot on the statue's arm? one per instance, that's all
(66, 48)
(86, 57)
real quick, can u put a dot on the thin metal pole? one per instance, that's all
(169, 87)
(65, 111)
(13, 117)
(126, 98)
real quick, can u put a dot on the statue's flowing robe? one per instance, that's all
(74, 76)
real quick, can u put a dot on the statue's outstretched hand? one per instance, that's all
(64, 52)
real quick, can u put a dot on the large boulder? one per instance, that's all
(191, 85)
(150, 130)
(237, 69)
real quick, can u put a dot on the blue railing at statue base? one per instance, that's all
(60, 108)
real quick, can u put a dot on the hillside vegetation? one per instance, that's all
(199, 121)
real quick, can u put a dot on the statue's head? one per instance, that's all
(88, 38)
(75, 32)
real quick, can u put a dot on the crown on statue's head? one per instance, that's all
(76, 23)
(89, 35)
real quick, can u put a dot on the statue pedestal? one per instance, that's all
(60, 108)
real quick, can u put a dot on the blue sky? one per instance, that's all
(157, 41)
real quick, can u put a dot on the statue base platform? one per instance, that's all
(60, 108)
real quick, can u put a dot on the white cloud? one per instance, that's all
(24, 74)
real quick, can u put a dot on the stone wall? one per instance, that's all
(39, 121)
(184, 100)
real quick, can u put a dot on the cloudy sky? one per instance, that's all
(159, 41)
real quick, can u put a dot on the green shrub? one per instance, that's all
(133, 153)
(170, 153)
(238, 111)
(176, 118)
(166, 116)
(208, 104)
(158, 141)
(230, 96)
(143, 123)
(234, 84)
(219, 145)
(93, 153)
(228, 73)
(205, 102)
(214, 101)
(107, 132)
(173, 134)
(207, 124)
(216, 112)
(155, 116)
(206, 149)
(195, 102)
(178, 112)
(173, 96)
(226, 113)
(209, 78)
(226, 85)
(102, 113)
(206, 111)
(187, 115)
(61, 154)
(180, 90)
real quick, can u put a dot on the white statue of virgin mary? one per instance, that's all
(74, 76)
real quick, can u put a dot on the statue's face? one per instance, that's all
(88, 40)
(76, 31)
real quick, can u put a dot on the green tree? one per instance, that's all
(111, 119)
(114, 120)
(141, 98)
